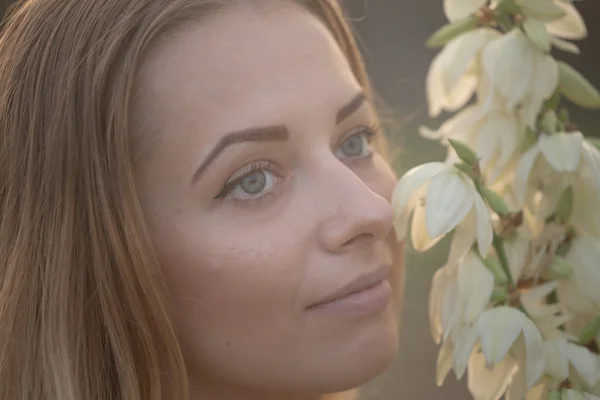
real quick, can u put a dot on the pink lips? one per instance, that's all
(366, 294)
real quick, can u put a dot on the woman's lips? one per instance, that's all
(367, 294)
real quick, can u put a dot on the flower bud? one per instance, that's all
(577, 88)
(464, 152)
(449, 31)
(495, 201)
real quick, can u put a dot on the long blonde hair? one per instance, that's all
(84, 309)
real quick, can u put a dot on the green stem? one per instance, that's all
(498, 243)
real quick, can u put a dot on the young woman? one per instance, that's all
(194, 203)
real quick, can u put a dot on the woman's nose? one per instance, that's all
(356, 214)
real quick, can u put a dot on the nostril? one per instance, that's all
(363, 236)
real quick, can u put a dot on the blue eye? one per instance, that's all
(250, 182)
(357, 145)
(253, 184)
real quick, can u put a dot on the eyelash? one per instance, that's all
(243, 173)
(370, 131)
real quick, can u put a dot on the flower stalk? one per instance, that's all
(518, 192)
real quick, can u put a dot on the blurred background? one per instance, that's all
(392, 34)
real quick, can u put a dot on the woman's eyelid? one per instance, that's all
(246, 170)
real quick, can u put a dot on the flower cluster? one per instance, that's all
(517, 306)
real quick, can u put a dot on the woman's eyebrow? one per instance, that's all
(268, 134)
(257, 134)
(350, 108)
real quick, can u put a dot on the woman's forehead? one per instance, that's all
(243, 66)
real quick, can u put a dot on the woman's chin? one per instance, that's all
(355, 362)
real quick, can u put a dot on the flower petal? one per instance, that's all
(517, 252)
(436, 298)
(539, 391)
(557, 363)
(591, 155)
(455, 126)
(463, 347)
(458, 9)
(449, 199)
(583, 361)
(534, 349)
(542, 10)
(562, 150)
(571, 26)
(444, 363)
(565, 46)
(463, 237)
(510, 64)
(475, 286)
(499, 328)
(522, 173)
(406, 193)
(583, 257)
(419, 234)
(449, 85)
(489, 383)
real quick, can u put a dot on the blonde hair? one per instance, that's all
(84, 310)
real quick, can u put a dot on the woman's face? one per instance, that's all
(264, 197)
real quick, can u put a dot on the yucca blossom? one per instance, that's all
(564, 152)
(440, 198)
(580, 293)
(453, 76)
(529, 79)
(489, 130)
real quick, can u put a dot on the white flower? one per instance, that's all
(450, 200)
(459, 294)
(580, 293)
(547, 317)
(500, 328)
(562, 152)
(491, 132)
(452, 77)
(521, 73)
(561, 354)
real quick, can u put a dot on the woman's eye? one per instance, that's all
(253, 184)
(355, 146)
